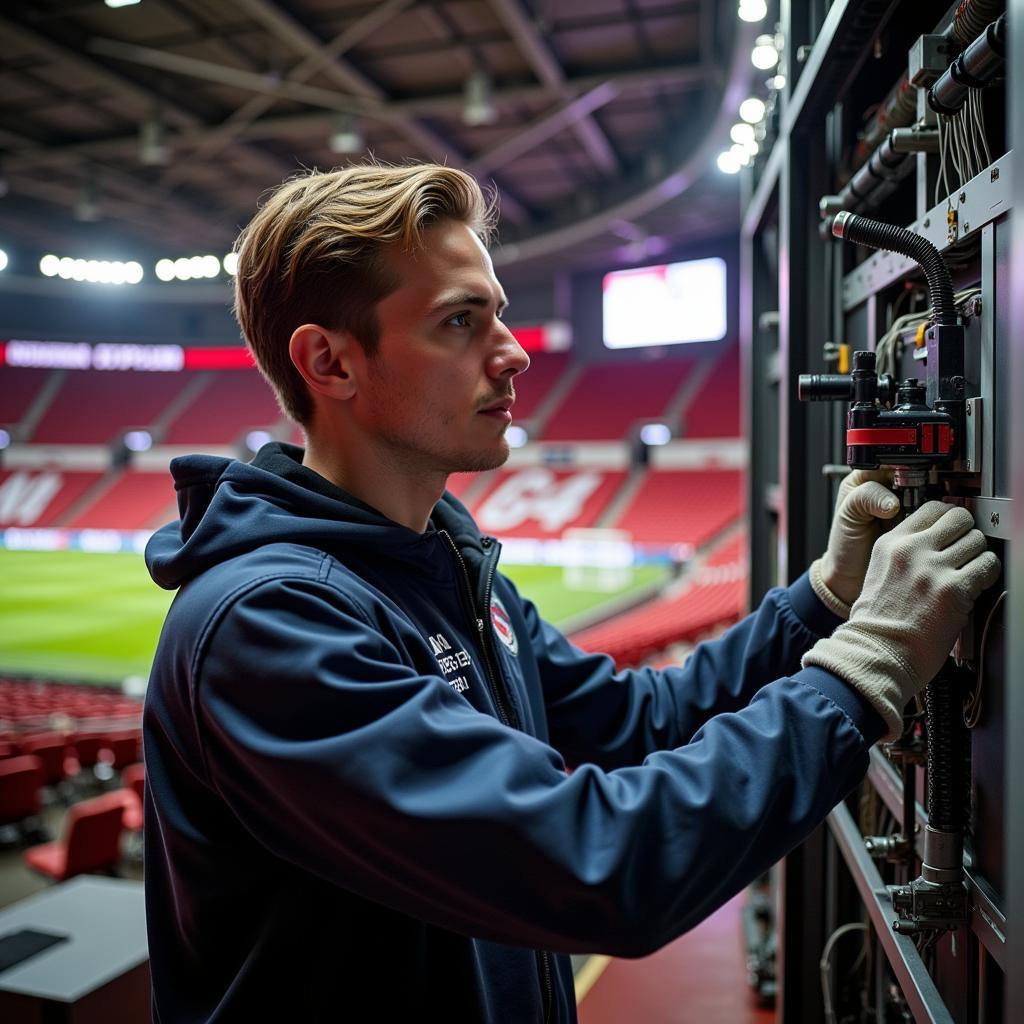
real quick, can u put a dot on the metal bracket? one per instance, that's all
(972, 435)
(928, 906)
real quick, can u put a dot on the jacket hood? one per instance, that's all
(228, 507)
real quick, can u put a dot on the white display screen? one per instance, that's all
(670, 304)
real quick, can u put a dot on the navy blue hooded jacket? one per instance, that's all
(357, 740)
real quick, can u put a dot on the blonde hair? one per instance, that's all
(314, 254)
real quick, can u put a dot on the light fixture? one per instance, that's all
(764, 54)
(655, 434)
(230, 263)
(153, 148)
(777, 82)
(256, 439)
(728, 162)
(741, 153)
(5, 439)
(346, 136)
(752, 110)
(516, 436)
(121, 3)
(3, 260)
(742, 133)
(138, 440)
(94, 271)
(477, 106)
(165, 269)
(752, 10)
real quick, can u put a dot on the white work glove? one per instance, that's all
(921, 584)
(863, 501)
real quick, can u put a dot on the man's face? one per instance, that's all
(437, 393)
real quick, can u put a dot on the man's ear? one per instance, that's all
(325, 360)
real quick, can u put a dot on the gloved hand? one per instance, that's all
(863, 500)
(922, 581)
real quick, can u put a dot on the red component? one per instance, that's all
(945, 438)
(882, 435)
(927, 438)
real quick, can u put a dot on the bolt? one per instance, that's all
(976, 307)
(994, 174)
(927, 222)
(994, 519)
(967, 227)
(962, 197)
(970, 410)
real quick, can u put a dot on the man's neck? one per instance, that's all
(405, 498)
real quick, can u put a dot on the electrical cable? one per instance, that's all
(972, 706)
(824, 965)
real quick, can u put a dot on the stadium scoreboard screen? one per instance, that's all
(668, 304)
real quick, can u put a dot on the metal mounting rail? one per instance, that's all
(916, 983)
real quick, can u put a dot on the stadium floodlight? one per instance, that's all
(3, 260)
(138, 440)
(516, 436)
(183, 268)
(753, 10)
(655, 434)
(133, 272)
(742, 133)
(121, 3)
(777, 82)
(256, 439)
(211, 265)
(741, 153)
(164, 269)
(5, 439)
(752, 110)
(49, 265)
(728, 163)
(764, 55)
(230, 263)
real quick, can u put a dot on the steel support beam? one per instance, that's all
(551, 73)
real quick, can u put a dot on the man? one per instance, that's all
(359, 805)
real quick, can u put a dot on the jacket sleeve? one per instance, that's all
(342, 760)
(616, 718)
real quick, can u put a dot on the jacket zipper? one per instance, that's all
(492, 681)
(493, 677)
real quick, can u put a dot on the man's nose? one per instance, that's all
(509, 357)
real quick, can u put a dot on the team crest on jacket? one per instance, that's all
(503, 625)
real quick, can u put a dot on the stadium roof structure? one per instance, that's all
(164, 121)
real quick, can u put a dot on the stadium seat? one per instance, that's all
(120, 749)
(92, 830)
(21, 780)
(133, 793)
(50, 748)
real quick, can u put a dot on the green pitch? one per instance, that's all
(96, 617)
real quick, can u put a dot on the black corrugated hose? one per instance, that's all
(877, 235)
(943, 708)
(971, 18)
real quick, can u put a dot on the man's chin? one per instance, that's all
(481, 461)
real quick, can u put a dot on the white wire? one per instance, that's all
(940, 176)
(972, 114)
(824, 964)
(979, 108)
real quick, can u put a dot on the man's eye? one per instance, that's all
(459, 320)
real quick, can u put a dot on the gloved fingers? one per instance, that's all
(924, 518)
(870, 500)
(981, 573)
(964, 550)
(950, 527)
(882, 475)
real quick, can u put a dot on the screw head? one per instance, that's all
(994, 519)
(962, 197)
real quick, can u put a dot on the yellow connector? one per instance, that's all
(844, 358)
(919, 337)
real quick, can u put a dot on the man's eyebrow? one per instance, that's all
(464, 299)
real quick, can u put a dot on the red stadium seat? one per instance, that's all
(133, 794)
(50, 748)
(92, 842)
(120, 749)
(21, 780)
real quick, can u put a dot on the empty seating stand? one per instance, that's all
(537, 501)
(231, 402)
(714, 411)
(19, 387)
(532, 387)
(609, 398)
(21, 784)
(41, 497)
(133, 501)
(98, 406)
(683, 506)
